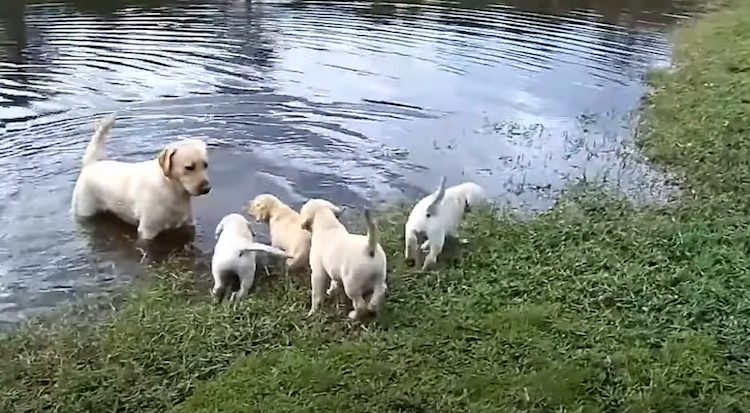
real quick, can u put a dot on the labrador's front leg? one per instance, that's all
(147, 231)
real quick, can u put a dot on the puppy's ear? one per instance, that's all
(338, 210)
(263, 212)
(219, 228)
(165, 160)
(307, 223)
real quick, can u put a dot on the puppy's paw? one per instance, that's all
(310, 313)
(332, 288)
(463, 241)
(410, 262)
(428, 265)
(353, 315)
(144, 253)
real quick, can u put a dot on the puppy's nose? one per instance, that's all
(205, 187)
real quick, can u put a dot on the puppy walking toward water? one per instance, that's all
(356, 261)
(154, 195)
(233, 261)
(285, 225)
(438, 215)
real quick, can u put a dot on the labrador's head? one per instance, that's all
(237, 223)
(473, 195)
(263, 206)
(186, 162)
(311, 208)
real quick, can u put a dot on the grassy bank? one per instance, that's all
(594, 306)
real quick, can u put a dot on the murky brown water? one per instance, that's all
(352, 101)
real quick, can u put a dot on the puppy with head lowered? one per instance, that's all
(357, 262)
(438, 215)
(154, 195)
(233, 262)
(285, 226)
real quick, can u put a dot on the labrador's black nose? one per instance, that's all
(204, 188)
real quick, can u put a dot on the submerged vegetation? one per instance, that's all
(594, 306)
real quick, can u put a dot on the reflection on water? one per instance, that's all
(353, 101)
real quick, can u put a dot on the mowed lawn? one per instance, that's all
(594, 306)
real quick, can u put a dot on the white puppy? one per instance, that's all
(285, 225)
(437, 215)
(154, 195)
(233, 261)
(356, 261)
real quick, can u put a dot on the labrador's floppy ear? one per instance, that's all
(165, 160)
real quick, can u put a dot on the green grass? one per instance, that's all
(594, 306)
(698, 117)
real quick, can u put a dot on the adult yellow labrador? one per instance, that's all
(154, 195)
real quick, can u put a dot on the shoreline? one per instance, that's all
(594, 305)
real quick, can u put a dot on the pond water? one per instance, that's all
(357, 102)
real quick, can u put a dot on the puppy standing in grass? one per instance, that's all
(285, 225)
(437, 215)
(233, 261)
(356, 261)
(154, 195)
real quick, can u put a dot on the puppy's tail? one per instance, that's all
(432, 208)
(95, 149)
(373, 235)
(258, 247)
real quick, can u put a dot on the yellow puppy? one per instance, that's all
(285, 227)
(356, 261)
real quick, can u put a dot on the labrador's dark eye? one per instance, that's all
(205, 165)
(190, 167)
